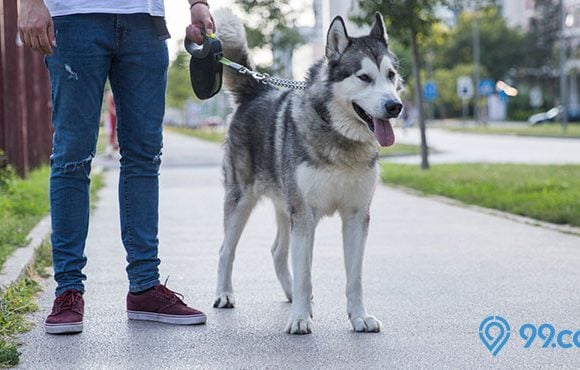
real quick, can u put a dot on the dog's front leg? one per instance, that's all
(301, 243)
(355, 226)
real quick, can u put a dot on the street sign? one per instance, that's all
(503, 96)
(464, 87)
(486, 87)
(430, 91)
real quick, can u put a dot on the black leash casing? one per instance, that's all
(205, 69)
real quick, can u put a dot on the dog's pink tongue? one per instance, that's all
(384, 132)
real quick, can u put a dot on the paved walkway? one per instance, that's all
(433, 272)
(462, 147)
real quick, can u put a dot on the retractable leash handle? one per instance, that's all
(205, 69)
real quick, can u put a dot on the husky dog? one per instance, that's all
(313, 153)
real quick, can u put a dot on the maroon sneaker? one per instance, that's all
(163, 305)
(67, 314)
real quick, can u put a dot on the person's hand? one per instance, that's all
(35, 26)
(201, 21)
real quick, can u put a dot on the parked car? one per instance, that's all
(552, 114)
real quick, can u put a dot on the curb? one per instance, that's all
(15, 266)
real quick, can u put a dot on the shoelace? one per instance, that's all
(68, 300)
(170, 294)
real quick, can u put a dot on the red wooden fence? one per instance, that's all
(25, 105)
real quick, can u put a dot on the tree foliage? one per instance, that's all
(273, 26)
(501, 46)
(178, 81)
(408, 21)
(271, 17)
(542, 35)
(404, 18)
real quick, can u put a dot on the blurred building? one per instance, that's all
(324, 13)
(518, 12)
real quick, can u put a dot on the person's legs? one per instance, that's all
(138, 79)
(78, 70)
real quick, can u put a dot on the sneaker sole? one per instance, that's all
(167, 319)
(70, 328)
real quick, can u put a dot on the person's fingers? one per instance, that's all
(50, 34)
(197, 35)
(44, 42)
(42, 46)
(32, 41)
(208, 25)
(190, 32)
(194, 33)
(21, 37)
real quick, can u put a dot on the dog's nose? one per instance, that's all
(393, 108)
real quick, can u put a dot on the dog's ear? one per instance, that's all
(378, 30)
(337, 39)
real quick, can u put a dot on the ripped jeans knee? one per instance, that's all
(69, 167)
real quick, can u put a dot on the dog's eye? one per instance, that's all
(364, 78)
(391, 75)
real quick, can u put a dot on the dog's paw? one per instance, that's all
(367, 324)
(225, 300)
(299, 325)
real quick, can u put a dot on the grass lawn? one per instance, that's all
(201, 133)
(102, 141)
(17, 300)
(219, 136)
(545, 192)
(546, 130)
(22, 204)
(399, 150)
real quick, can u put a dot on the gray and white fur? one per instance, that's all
(313, 153)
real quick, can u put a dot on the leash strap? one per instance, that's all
(263, 77)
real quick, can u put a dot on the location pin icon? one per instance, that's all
(494, 332)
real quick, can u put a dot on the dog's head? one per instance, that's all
(365, 84)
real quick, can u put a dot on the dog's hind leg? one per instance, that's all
(237, 208)
(355, 225)
(280, 252)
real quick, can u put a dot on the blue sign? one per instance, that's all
(486, 87)
(503, 96)
(430, 91)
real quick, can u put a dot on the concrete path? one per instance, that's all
(461, 147)
(433, 272)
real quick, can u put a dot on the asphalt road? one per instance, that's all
(461, 147)
(432, 273)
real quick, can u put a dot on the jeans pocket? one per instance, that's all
(160, 27)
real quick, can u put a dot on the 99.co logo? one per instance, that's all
(494, 332)
(549, 336)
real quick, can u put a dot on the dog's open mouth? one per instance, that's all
(380, 127)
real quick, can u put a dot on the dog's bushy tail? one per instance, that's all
(232, 34)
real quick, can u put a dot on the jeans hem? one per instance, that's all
(78, 287)
(135, 288)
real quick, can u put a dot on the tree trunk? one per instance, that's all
(419, 102)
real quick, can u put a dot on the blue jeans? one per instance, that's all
(128, 51)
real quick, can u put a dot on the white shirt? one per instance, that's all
(66, 7)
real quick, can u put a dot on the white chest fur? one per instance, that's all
(329, 190)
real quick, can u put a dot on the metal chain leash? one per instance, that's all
(264, 77)
(286, 84)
